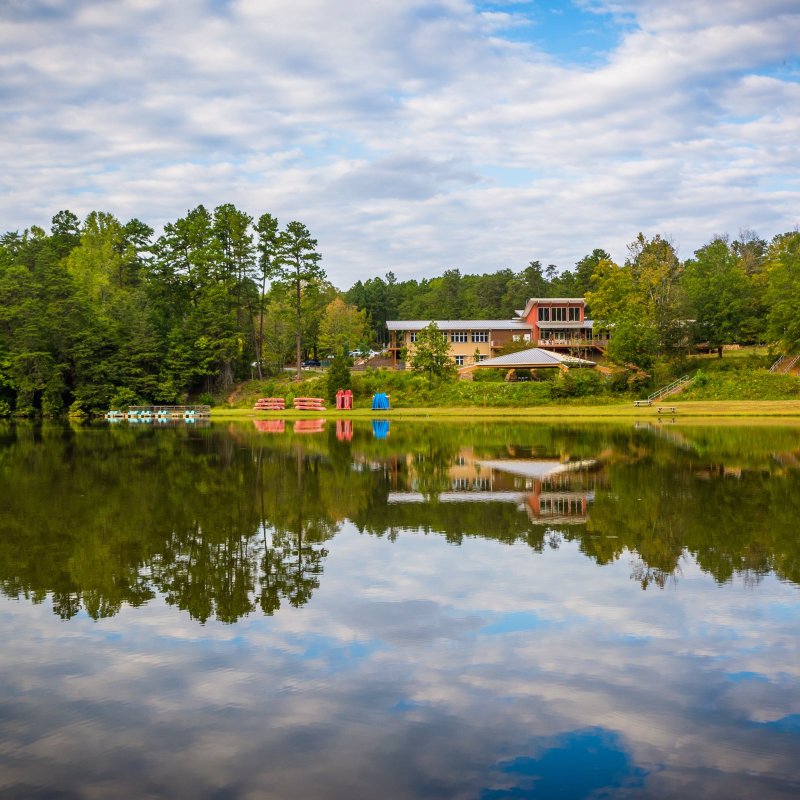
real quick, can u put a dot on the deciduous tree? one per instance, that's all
(431, 354)
(342, 328)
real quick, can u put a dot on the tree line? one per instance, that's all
(100, 312)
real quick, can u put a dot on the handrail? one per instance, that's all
(669, 387)
(777, 364)
(785, 364)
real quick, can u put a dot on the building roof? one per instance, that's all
(549, 301)
(532, 468)
(541, 300)
(535, 357)
(459, 324)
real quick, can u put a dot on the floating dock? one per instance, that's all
(159, 414)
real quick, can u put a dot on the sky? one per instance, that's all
(410, 135)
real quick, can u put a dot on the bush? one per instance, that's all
(123, 398)
(206, 399)
(338, 376)
(77, 411)
(489, 376)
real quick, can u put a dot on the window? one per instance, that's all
(412, 337)
(458, 337)
(559, 314)
(480, 357)
(544, 315)
(480, 336)
(459, 361)
(574, 315)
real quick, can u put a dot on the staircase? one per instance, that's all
(785, 364)
(665, 391)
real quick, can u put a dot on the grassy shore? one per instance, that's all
(687, 410)
(582, 394)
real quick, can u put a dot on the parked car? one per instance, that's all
(312, 362)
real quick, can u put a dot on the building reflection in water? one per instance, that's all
(548, 489)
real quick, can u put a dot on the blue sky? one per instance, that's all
(413, 136)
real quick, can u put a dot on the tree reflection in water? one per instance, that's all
(223, 520)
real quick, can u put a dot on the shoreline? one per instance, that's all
(695, 411)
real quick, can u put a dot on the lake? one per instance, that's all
(375, 609)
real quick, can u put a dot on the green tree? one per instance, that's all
(268, 245)
(431, 354)
(656, 274)
(719, 294)
(297, 268)
(641, 296)
(338, 376)
(586, 268)
(342, 328)
(783, 273)
(634, 341)
(278, 332)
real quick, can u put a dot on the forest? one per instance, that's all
(99, 312)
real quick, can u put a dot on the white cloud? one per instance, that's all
(369, 689)
(389, 128)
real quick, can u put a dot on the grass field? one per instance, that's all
(739, 385)
(688, 410)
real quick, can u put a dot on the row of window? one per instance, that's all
(461, 337)
(460, 359)
(461, 484)
(566, 506)
(572, 335)
(559, 314)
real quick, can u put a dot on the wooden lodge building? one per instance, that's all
(555, 323)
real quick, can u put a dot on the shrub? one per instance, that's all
(123, 398)
(77, 410)
(488, 376)
(338, 376)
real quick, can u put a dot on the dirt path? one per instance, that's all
(233, 397)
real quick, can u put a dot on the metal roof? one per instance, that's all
(541, 300)
(548, 301)
(535, 357)
(458, 325)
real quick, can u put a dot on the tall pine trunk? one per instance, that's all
(298, 331)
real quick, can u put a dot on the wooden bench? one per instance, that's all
(666, 410)
(308, 404)
(270, 404)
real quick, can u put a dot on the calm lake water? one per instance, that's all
(399, 610)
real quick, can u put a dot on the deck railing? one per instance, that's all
(785, 364)
(670, 388)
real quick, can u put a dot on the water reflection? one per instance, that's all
(370, 659)
(222, 521)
